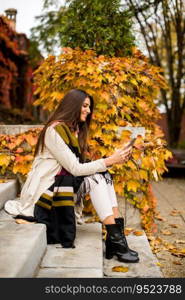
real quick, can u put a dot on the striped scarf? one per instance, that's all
(61, 192)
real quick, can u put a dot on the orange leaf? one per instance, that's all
(19, 150)
(127, 231)
(138, 232)
(143, 174)
(175, 212)
(177, 262)
(32, 140)
(166, 232)
(174, 225)
(158, 217)
(120, 269)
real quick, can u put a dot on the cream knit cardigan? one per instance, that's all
(45, 166)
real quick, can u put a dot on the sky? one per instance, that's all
(26, 11)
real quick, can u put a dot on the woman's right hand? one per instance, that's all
(119, 156)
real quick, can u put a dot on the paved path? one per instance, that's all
(170, 194)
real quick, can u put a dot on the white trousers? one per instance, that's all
(103, 196)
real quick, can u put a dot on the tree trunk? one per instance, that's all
(174, 117)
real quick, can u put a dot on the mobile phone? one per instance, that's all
(131, 143)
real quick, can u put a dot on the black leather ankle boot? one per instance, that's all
(120, 221)
(115, 245)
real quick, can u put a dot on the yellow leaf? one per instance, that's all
(111, 111)
(159, 264)
(132, 185)
(168, 155)
(102, 106)
(147, 162)
(57, 95)
(178, 252)
(112, 127)
(3, 180)
(103, 151)
(119, 189)
(131, 165)
(133, 81)
(143, 174)
(120, 269)
(4, 160)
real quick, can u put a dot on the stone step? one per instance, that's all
(8, 190)
(17, 129)
(147, 267)
(83, 261)
(21, 247)
(86, 260)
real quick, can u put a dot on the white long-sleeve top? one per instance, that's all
(45, 166)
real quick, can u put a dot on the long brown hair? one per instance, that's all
(69, 111)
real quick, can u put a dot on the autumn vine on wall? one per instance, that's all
(16, 72)
(124, 89)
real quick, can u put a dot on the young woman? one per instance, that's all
(60, 174)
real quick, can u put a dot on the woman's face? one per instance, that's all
(85, 110)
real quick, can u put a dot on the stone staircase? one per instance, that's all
(21, 245)
(24, 251)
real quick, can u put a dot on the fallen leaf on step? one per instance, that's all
(174, 225)
(127, 230)
(21, 221)
(158, 217)
(104, 233)
(169, 246)
(178, 252)
(175, 212)
(92, 219)
(159, 264)
(166, 232)
(120, 269)
(155, 243)
(151, 237)
(177, 262)
(3, 180)
(180, 241)
(138, 232)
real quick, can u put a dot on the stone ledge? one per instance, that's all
(86, 260)
(16, 129)
(21, 249)
(8, 190)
